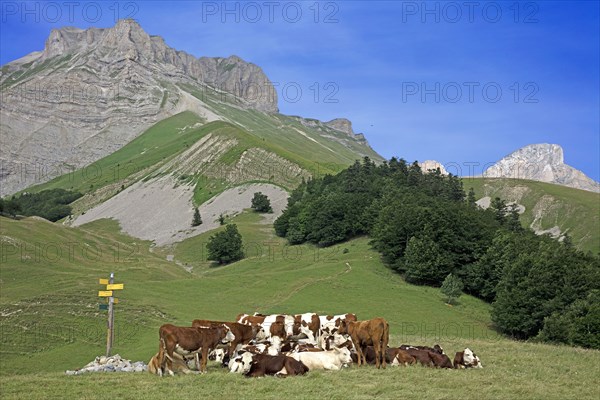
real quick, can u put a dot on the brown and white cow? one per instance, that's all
(307, 324)
(467, 359)
(188, 341)
(179, 364)
(397, 356)
(247, 319)
(243, 333)
(280, 365)
(373, 332)
(331, 323)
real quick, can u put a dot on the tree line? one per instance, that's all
(425, 227)
(50, 204)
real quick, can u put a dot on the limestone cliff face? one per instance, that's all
(89, 92)
(541, 162)
(344, 125)
(428, 165)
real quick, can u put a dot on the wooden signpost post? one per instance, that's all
(108, 293)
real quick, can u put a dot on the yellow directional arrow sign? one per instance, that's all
(114, 286)
(103, 281)
(105, 293)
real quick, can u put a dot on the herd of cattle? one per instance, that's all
(258, 345)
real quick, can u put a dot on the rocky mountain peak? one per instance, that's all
(342, 125)
(429, 165)
(541, 162)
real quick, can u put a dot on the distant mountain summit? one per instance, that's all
(541, 162)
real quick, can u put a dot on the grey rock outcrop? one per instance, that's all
(110, 364)
(428, 165)
(541, 162)
(89, 92)
(344, 125)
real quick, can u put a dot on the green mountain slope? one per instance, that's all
(50, 322)
(211, 157)
(50, 306)
(575, 212)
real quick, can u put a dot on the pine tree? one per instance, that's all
(261, 203)
(452, 288)
(225, 246)
(471, 201)
(425, 262)
(197, 220)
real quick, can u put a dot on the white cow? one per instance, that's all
(330, 360)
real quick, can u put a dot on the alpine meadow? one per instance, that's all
(179, 221)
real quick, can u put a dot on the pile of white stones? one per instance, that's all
(111, 364)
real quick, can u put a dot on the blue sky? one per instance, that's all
(436, 80)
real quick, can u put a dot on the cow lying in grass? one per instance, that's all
(257, 365)
(466, 359)
(331, 360)
(280, 365)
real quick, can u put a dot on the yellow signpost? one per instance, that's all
(108, 293)
(116, 286)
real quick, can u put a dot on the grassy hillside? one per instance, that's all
(50, 321)
(574, 211)
(214, 156)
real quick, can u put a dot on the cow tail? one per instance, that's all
(386, 339)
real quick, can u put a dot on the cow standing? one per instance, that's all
(374, 332)
(189, 341)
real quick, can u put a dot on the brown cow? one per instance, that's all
(440, 360)
(374, 332)
(280, 365)
(436, 348)
(397, 356)
(189, 341)
(429, 358)
(243, 333)
(277, 328)
(421, 356)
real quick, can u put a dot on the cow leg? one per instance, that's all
(358, 352)
(167, 362)
(204, 359)
(377, 348)
(197, 360)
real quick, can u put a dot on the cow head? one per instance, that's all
(217, 355)
(259, 333)
(342, 329)
(438, 349)
(344, 355)
(241, 364)
(226, 335)
(471, 360)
